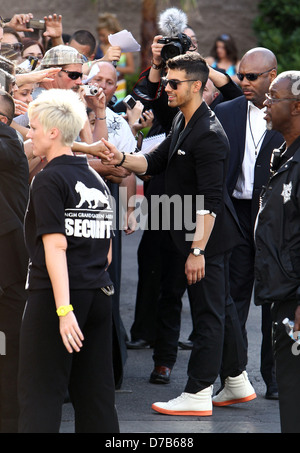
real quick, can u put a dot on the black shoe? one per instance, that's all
(271, 394)
(138, 344)
(185, 344)
(160, 375)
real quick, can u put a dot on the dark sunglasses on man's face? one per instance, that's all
(251, 76)
(73, 75)
(174, 83)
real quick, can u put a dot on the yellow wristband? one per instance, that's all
(63, 310)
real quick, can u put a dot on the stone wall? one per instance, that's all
(209, 19)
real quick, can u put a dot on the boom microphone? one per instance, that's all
(172, 22)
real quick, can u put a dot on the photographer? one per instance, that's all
(179, 38)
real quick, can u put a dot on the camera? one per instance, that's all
(29, 64)
(174, 46)
(36, 24)
(90, 90)
(129, 102)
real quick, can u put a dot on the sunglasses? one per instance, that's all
(271, 100)
(174, 83)
(251, 76)
(73, 75)
(17, 46)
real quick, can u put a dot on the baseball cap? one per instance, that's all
(61, 55)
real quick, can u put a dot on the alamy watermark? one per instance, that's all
(293, 334)
(296, 86)
(96, 216)
(2, 343)
(159, 212)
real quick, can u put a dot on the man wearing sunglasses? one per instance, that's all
(194, 158)
(70, 61)
(251, 145)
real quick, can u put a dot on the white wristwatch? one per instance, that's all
(196, 251)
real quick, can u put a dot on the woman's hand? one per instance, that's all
(71, 334)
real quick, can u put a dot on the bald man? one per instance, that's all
(251, 145)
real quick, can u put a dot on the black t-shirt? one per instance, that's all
(70, 198)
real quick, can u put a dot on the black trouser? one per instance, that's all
(287, 359)
(47, 370)
(12, 305)
(241, 285)
(148, 288)
(208, 299)
(149, 274)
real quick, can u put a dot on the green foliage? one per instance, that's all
(131, 80)
(277, 28)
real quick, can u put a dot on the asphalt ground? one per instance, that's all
(134, 399)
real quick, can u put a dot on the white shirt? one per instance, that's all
(119, 132)
(255, 134)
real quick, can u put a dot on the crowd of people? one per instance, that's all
(68, 164)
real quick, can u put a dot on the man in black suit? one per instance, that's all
(251, 146)
(14, 176)
(194, 158)
(219, 88)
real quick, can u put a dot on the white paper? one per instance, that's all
(150, 143)
(95, 69)
(125, 40)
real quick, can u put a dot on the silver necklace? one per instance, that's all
(256, 145)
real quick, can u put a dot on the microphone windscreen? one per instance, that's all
(172, 21)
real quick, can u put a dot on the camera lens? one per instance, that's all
(93, 90)
(171, 50)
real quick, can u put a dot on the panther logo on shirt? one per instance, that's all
(92, 196)
(287, 192)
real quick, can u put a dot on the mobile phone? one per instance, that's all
(36, 24)
(129, 102)
(139, 141)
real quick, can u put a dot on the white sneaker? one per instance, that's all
(188, 404)
(236, 390)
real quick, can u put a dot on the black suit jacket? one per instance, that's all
(14, 177)
(195, 162)
(233, 117)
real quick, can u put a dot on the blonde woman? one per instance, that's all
(66, 332)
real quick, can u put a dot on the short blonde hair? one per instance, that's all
(61, 109)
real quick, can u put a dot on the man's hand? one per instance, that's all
(20, 107)
(97, 103)
(194, 268)
(297, 320)
(19, 22)
(109, 154)
(45, 75)
(113, 54)
(53, 26)
(133, 115)
(130, 223)
(156, 50)
(145, 120)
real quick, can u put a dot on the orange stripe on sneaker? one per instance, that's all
(170, 412)
(241, 400)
